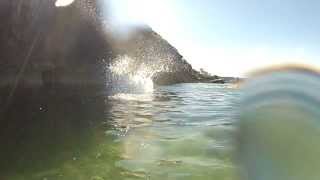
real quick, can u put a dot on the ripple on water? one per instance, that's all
(188, 134)
(174, 132)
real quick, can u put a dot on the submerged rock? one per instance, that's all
(169, 162)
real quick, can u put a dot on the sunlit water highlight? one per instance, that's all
(178, 132)
(174, 132)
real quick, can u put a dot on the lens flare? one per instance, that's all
(279, 125)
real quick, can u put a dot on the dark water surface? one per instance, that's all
(175, 132)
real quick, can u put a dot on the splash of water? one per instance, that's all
(129, 77)
(61, 3)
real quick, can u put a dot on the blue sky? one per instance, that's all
(232, 37)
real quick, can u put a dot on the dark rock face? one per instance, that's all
(51, 69)
(42, 45)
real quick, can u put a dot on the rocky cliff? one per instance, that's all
(164, 62)
(150, 50)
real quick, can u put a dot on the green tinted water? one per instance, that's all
(176, 132)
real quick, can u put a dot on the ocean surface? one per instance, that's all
(182, 131)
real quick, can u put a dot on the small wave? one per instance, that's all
(133, 97)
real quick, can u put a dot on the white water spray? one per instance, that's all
(130, 77)
(61, 3)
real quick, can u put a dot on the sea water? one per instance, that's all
(182, 131)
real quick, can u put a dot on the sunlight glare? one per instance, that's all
(140, 12)
(61, 3)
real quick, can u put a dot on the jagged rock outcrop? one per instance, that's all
(149, 49)
(167, 65)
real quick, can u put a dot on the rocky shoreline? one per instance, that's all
(149, 49)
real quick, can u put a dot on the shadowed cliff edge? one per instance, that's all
(55, 73)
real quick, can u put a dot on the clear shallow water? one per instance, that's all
(175, 132)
